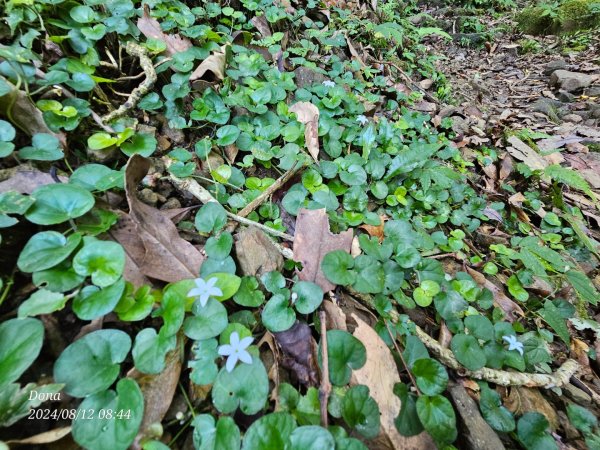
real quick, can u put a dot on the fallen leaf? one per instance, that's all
(158, 390)
(24, 179)
(297, 345)
(151, 29)
(312, 241)
(308, 114)
(556, 142)
(380, 374)
(256, 253)
(262, 25)
(43, 438)
(523, 399)
(510, 308)
(353, 52)
(506, 167)
(23, 112)
(151, 240)
(375, 230)
(523, 152)
(214, 64)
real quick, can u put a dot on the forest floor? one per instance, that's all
(197, 201)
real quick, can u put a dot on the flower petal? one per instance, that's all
(245, 343)
(245, 357)
(234, 339)
(226, 350)
(231, 363)
(215, 292)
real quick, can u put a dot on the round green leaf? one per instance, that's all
(494, 413)
(249, 294)
(123, 414)
(227, 135)
(533, 431)
(422, 298)
(212, 217)
(57, 203)
(277, 315)
(208, 321)
(438, 418)
(227, 282)
(468, 352)
(480, 326)
(92, 363)
(45, 250)
(93, 302)
(104, 261)
(98, 141)
(310, 437)
(246, 387)
(224, 435)
(361, 412)
(20, 344)
(270, 431)
(336, 266)
(345, 352)
(309, 296)
(150, 349)
(431, 376)
(7, 131)
(82, 14)
(42, 302)
(60, 278)
(140, 144)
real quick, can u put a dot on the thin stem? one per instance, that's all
(410, 375)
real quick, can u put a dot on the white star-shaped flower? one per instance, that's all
(328, 83)
(362, 120)
(236, 350)
(204, 290)
(513, 343)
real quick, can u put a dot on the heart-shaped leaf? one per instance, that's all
(92, 363)
(309, 296)
(310, 437)
(46, 249)
(93, 302)
(104, 261)
(20, 344)
(150, 349)
(277, 315)
(222, 435)
(345, 352)
(431, 376)
(361, 412)
(57, 203)
(208, 321)
(122, 413)
(270, 431)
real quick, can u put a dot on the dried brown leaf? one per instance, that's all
(150, 239)
(214, 64)
(43, 438)
(312, 241)
(158, 390)
(24, 114)
(523, 399)
(375, 230)
(151, 29)
(510, 308)
(308, 114)
(25, 179)
(380, 374)
(256, 253)
(523, 152)
(297, 345)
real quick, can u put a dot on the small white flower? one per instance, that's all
(513, 343)
(236, 350)
(294, 297)
(204, 290)
(362, 120)
(328, 83)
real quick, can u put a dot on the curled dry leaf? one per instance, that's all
(523, 152)
(308, 114)
(214, 64)
(150, 239)
(297, 345)
(312, 241)
(380, 374)
(158, 390)
(376, 230)
(151, 29)
(17, 105)
(510, 308)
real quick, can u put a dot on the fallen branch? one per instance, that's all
(325, 388)
(193, 187)
(501, 377)
(134, 49)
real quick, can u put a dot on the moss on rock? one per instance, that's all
(571, 15)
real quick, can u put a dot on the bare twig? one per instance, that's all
(325, 388)
(501, 377)
(410, 375)
(135, 50)
(194, 188)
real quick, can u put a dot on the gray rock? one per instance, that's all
(594, 91)
(570, 81)
(558, 64)
(565, 97)
(306, 76)
(546, 106)
(572, 118)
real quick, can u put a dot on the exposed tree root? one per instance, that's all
(135, 50)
